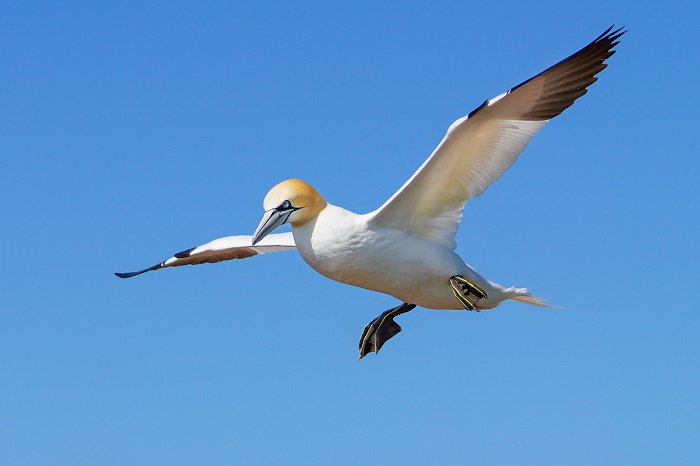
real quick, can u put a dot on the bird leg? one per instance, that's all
(462, 288)
(381, 329)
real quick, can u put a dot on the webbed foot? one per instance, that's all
(462, 288)
(381, 329)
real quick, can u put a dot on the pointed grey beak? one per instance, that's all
(272, 219)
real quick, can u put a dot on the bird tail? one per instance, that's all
(524, 296)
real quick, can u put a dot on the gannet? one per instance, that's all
(406, 248)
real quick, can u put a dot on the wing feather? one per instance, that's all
(223, 249)
(480, 147)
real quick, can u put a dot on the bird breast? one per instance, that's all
(346, 247)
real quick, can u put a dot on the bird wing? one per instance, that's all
(223, 249)
(481, 146)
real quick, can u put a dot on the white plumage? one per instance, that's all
(406, 247)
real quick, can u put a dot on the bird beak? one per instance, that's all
(271, 220)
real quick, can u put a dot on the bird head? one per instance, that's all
(292, 201)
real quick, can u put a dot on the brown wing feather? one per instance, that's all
(222, 249)
(212, 257)
(549, 93)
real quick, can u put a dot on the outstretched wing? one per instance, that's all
(481, 146)
(223, 249)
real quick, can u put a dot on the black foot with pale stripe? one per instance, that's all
(381, 329)
(467, 293)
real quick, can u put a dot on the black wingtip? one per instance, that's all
(611, 35)
(133, 274)
(129, 274)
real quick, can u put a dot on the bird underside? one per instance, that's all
(383, 328)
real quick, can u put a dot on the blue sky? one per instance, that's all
(134, 130)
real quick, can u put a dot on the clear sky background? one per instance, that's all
(135, 130)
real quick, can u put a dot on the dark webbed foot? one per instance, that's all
(462, 288)
(381, 329)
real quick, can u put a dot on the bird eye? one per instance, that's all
(286, 205)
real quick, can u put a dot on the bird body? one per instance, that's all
(350, 248)
(406, 248)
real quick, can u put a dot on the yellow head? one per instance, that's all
(291, 201)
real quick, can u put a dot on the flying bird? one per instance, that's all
(406, 248)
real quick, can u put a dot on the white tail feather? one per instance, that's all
(524, 296)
